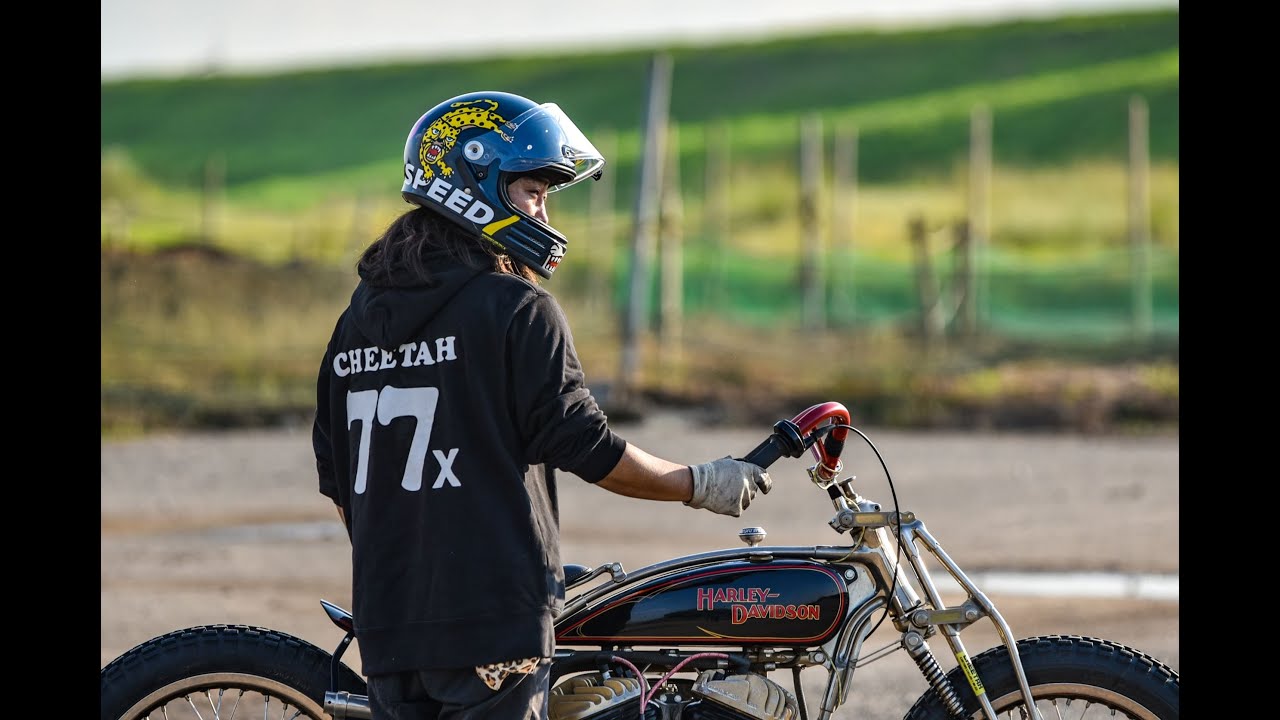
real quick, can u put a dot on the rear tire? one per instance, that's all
(1099, 678)
(213, 671)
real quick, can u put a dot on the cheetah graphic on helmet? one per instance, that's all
(440, 137)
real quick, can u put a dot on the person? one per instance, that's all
(449, 400)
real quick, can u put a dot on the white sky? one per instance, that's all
(175, 37)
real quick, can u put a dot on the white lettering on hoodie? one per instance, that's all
(410, 354)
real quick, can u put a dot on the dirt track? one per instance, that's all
(179, 545)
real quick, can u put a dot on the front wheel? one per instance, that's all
(215, 672)
(1070, 676)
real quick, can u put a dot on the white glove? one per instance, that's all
(727, 486)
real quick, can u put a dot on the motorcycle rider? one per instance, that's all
(449, 398)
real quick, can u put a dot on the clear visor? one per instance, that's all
(544, 136)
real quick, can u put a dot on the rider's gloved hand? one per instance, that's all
(727, 486)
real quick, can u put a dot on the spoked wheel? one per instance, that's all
(1067, 700)
(223, 672)
(225, 696)
(1070, 677)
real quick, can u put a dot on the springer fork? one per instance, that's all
(914, 619)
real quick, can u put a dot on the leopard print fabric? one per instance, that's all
(495, 673)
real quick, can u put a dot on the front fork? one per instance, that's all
(918, 621)
(854, 513)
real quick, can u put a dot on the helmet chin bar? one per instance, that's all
(533, 245)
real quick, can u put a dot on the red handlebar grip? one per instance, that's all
(789, 438)
(828, 452)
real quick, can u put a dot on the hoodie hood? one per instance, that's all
(391, 312)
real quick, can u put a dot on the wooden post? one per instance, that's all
(962, 288)
(1139, 219)
(633, 325)
(811, 258)
(926, 283)
(211, 196)
(716, 213)
(116, 224)
(843, 203)
(671, 253)
(358, 237)
(978, 310)
(598, 245)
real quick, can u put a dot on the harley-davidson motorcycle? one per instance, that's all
(698, 637)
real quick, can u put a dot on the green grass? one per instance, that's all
(905, 90)
(304, 171)
(192, 338)
(307, 164)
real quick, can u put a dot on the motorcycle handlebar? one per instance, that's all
(785, 440)
(792, 437)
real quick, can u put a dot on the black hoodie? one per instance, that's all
(443, 412)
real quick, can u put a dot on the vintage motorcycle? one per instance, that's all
(696, 637)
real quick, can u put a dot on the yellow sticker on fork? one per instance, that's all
(969, 672)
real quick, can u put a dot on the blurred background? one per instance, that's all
(941, 214)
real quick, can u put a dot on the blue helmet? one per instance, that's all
(461, 155)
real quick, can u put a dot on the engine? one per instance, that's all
(713, 695)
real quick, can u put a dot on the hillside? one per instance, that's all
(233, 208)
(1058, 90)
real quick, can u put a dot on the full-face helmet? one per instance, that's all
(462, 154)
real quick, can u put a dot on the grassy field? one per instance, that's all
(234, 207)
(1057, 89)
(305, 164)
(194, 338)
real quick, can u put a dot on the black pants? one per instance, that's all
(459, 695)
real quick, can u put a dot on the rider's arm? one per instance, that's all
(641, 475)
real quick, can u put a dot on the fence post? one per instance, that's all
(962, 278)
(1139, 219)
(926, 283)
(600, 239)
(716, 206)
(655, 123)
(671, 240)
(978, 310)
(811, 266)
(844, 201)
(211, 196)
(116, 225)
(358, 238)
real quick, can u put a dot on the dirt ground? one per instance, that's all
(187, 540)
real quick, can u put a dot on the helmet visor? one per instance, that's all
(545, 138)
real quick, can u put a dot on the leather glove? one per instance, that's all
(727, 486)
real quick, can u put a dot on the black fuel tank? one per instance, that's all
(781, 603)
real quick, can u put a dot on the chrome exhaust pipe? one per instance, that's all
(342, 705)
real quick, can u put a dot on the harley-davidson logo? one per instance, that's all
(708, 597)
(743, 613)
(748, 603)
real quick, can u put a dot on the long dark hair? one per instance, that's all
(410, 239)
